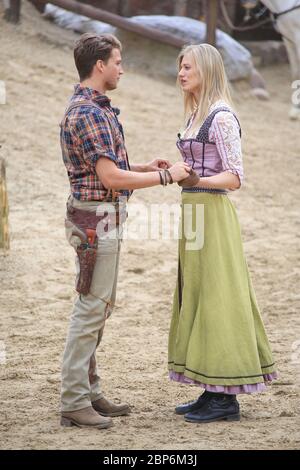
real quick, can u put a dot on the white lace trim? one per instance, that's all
(225, 133)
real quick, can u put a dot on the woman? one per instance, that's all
(217, 338)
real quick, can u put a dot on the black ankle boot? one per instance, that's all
(219, 407)
(193, 405)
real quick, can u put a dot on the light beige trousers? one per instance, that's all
(80, 379)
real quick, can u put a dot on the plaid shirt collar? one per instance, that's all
(93, 95)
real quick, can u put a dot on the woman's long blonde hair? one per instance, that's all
(214, 84)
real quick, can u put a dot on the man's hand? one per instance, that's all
(189, 181)
(179, 171)
(157, 164)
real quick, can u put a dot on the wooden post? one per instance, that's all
(123, 7)
(180, 7)
(12, 11)
(4, 233)
(211, 21)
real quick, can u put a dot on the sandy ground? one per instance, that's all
(37, 275)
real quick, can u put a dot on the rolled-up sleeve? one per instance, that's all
(225, 132)
(95, 136)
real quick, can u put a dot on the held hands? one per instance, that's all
(179, 171)
(191, 180)
(158, 164)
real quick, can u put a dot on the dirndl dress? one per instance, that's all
(217, 337)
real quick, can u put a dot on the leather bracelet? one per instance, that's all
(161, 178)
(170, 176)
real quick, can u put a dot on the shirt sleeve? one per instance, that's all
(95, 136)
(225, 132)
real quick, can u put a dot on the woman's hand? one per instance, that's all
(179, 171)
(191, 180)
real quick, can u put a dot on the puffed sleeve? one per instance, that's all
(225, 133)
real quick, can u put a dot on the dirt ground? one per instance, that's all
(37, 277)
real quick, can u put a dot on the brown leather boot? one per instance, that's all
(107, 408)
(85, 418)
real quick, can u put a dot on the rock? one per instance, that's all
(237, 59)
(286, 414)
(78, 23)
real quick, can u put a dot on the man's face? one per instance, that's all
(112, 70)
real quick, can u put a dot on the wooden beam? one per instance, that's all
(211, 21)
(118, 21)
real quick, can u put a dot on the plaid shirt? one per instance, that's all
(87, 134)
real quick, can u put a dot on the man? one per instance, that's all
(95, 157)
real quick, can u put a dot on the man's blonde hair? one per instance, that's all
(214, 84)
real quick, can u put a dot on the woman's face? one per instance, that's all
(188, 75)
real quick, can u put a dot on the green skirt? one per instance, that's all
(217, 336)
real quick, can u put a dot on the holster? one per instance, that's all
(85, 225)
(87, 255)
